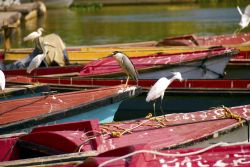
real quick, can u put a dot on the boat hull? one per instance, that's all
(165, 132)
(20, 114)
(207, 64)
(203, 69)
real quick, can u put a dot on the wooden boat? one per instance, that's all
(215, 84)
(221, 154)
(70, 70)
(25, 113)
(192, 94)
(166, 132)
(85, 54)
(207, 64)
(158, 64)
(240, 41)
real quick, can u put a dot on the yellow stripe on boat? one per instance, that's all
(84, 55)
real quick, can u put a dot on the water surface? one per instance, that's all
(118, 24)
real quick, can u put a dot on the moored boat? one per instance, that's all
(165, 132)
(220, 154)
(69, 70)
(22, 114)
(207, 64)
(193, 95)
(240, 41)
(216, 84)
(85, 54)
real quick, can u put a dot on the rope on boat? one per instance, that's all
(114, 130)
(169, 155)
(229, 114)
(161, 122)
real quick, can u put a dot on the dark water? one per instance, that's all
(180, 102)
(116, 24)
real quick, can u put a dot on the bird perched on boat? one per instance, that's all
(2, 80)
(245, 17)
(34, 35)
(126, 65)
(158, 89)
(36, 61)
(16, 2)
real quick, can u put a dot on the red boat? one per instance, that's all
(193, 40)
(208, 64)
(23, 114)
(221, 154)
(239, 41)
(232, 84)
(52, 70)
(198, 129)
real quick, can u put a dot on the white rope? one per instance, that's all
(169, 155)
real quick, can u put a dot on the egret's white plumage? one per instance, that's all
(158, 89)
(2, 80)
(126, 65)
(16, 2)
(35, 62)
(245, 17)
(32, 36)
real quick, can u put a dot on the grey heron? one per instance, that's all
(245, 17)
(126, 65)
(34, 35)
(158, 89)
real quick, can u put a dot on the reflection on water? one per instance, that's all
(131, 23)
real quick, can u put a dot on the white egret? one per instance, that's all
(34, 35)
(37, 60)
(245, 17)
(2, 80)
(126, 65)
(158, 89)
(16, 2)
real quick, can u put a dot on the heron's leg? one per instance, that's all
(4, 94)
(237, 31)
(126, 84)
(154, 108)
(161, 108)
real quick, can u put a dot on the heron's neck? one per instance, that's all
(172, 79)
(39, 32)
